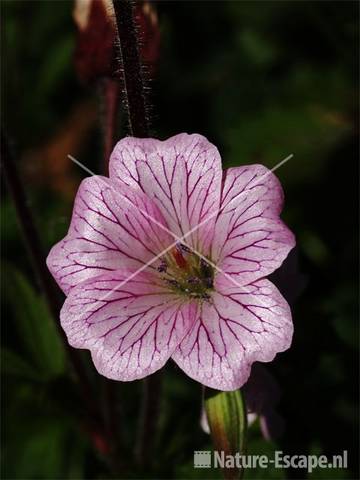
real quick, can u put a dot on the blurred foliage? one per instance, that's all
(261, 80)
(35, 329)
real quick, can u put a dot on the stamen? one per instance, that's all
(204, 263)
(188, 274)
(184, 248)
(205, 268)
(172, 282)
(193, 280)
(162, 267)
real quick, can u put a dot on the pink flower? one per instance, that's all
(167, 258)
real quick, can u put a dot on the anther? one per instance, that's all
(172, 282)
(162, 267)
(184, 247)
(193, 280)
(205, 268)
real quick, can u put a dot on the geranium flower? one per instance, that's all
(167, 259)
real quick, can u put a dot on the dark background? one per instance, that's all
(261, 80)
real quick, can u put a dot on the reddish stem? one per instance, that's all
(131, 72)
(110, 93)
(131, 77)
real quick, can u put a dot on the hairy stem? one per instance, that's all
(134, 100)
(132, 76)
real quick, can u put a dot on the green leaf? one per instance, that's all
(35, 326)
(42, 446)
(257, 445)
(226, 413)
(14, 365)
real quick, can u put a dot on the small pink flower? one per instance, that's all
(137, 296)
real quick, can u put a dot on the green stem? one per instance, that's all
(227, 417)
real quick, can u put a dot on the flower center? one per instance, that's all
(186, 273)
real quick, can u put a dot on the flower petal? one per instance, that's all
(128, 320)
(261, 391)
(250, 240)
(236, 328)
(181, 174)
(272, 425)
(111, 227)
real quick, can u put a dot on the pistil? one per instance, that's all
(179, 258)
